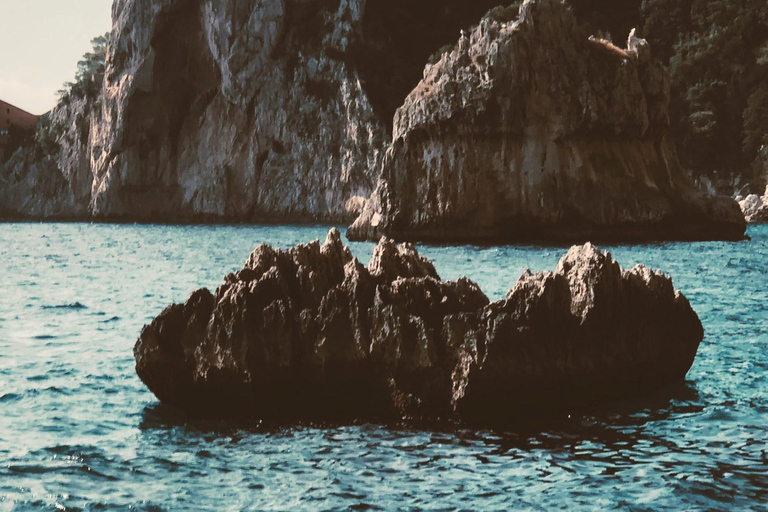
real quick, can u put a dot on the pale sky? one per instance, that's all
(40, 44)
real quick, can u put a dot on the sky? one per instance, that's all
(41, 42)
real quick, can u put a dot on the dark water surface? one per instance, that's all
(78, 431)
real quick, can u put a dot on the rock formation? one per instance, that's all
(240, 110)
(52, 177)
(227, 109)
(530, 129)
(310, 333)
(754, 207)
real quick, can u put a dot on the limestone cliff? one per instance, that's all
(530, 129)
(51, 177)
(234, 110)
(244, 110)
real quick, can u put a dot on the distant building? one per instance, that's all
(11, 116)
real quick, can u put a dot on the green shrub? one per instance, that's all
(45, 137)
(718, 56)
(90, 72)
(503, 14)
(435, 57)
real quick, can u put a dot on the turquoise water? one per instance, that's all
(78, 431)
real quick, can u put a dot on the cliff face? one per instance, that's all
(248, 110)
(240, 110)
(531, 129)
(51, 178)
(233, 110)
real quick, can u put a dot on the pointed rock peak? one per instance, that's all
(533, 11)
(332, 244)
(261, 259)
(592, 275)
(390, 261)
(582, 256)
(333, 238)
(333, 247)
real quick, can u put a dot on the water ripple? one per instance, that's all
(78, 431)
(73, 305)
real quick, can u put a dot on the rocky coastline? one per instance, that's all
(197, 120)
(51, 179)
(312, 334)
(532, 130)
(525, 129)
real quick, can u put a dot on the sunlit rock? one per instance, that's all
(531, 129)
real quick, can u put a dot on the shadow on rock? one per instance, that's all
(310, 334)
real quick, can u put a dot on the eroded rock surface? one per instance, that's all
(311, 333)
(755, 207)
(242, 110)
(233, 110)
(531, 129)
(52, 177)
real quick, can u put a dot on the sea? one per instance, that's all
(79, 431)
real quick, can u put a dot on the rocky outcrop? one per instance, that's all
(310, 333)
(233, 110)
(248, 110)
(755, 207)
(530, 129)
(51, 177)
(281, 110)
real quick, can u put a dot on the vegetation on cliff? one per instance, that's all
(90, 72)
(79, 98)
(44, 138)
(719, 66)
(717, 52)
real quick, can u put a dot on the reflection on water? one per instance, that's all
(78, 431)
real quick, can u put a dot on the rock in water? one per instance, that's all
(755, 207)
(310, 333)
(530, 129)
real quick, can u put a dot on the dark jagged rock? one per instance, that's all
(530, 129)
(310, 333)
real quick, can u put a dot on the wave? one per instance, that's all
(45, 337)
(74, 305)
(9, 397)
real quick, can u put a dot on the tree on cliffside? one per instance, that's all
(717, 51)
(719, 62)
(90, 71)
